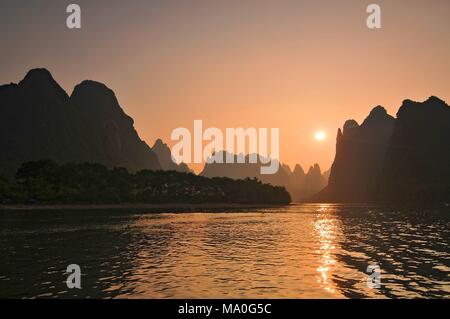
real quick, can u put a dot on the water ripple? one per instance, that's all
(313, 251)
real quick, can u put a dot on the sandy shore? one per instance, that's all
(170, 206)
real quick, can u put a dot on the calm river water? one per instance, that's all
(298, 251)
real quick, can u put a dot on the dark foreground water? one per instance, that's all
(301, 251)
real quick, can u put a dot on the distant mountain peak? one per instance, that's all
(378, 111)
(435, 99)
(314, 169)
(431, 99)
(38, 74)
(437, 102)
(298, 170)
(287, 168)
(95, 98)
(433, 103)
(92, 87)
(41, 82)
(159, 143)
(377, 115)
(349, 125)
(167, 162)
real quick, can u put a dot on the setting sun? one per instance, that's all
(320, 135)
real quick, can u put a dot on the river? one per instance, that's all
(297, 251)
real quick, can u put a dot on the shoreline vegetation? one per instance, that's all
(201, 207)
(47, 183)
(135, 206)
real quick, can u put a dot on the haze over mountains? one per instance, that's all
(165, 159)
(299, 184)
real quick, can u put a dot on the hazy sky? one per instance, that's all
(302, 66)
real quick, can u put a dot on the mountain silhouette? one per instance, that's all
(165, 159)
(360, 151)
(304, 185)
(301, 186)
(39, 120)
(385, 159)
(244, 170)
(416, 167)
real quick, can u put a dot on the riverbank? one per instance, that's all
(169, 206)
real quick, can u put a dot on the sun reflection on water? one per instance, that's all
(300, 251)
(325, 227)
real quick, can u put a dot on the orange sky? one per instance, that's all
(300, 66)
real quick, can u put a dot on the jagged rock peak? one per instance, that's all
(96, 98)
(41, 81)
(315, 169)
(377, 115)
(286, 168)
(432, 102)
(349, 126)
(159, 143)
(377, 112)
(92, 87)
(38, 75)
(298, 170)
(435, 100)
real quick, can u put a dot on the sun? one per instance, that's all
(320, 135)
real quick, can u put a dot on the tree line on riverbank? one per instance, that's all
(46, 181)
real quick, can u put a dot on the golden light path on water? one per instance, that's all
(326, 234)
(288, 254)
(297, 251)
(328, 231)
